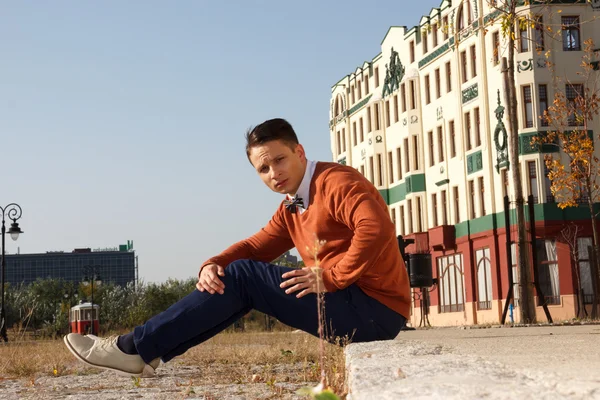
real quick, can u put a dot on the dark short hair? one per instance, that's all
(272, 129)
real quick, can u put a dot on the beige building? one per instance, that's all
(423, 121)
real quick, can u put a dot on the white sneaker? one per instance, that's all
(104, 353)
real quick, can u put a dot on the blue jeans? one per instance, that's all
(255, 285)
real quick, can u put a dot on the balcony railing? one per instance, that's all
(549, 300)
(484, 305)
(452, 308)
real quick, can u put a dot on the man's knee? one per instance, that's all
(238, 267)
(247, 270)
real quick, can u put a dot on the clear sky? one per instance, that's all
(125, 120)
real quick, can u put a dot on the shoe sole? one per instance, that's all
(120, 372)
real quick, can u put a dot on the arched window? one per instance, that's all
(459, 19)
(484, 279)
(451, 283)
(464, 15)
(339, 105)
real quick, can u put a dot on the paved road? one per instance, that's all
(550, 362)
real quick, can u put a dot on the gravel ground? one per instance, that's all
(172, 381)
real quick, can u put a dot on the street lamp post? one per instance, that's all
(13, 212)
(91, 271)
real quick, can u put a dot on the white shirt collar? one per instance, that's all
(304, 188)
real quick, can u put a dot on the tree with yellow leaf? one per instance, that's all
(575, 171)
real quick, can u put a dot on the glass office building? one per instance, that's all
(114, 265)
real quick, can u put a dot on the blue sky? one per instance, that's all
(125, 120)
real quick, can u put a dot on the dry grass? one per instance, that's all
(268, 357)
(227, 358)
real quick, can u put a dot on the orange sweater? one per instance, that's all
(346, 212)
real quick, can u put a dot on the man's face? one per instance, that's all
(280, 167)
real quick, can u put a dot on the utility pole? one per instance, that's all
(526, 301)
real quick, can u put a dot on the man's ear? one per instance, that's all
(300, 151)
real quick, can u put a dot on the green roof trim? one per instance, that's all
(442, 182)
(434, 54)
(359, 105)
(412, 184)
(543, 212)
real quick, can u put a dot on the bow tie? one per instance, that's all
(292, 204)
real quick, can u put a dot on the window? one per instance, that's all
(403, 94)
(434, 211)
(533, 186)
(427, 92)
(410, 217)
(438, 84)
(467, 116)
(366, 79)
(412, 52)
(431, 150)
(584, 245)
(399, 162)
(445, 27)
(452, 139)
(406, 156)
(444, 208)
(484, 279)
(548, 271)
(390, 167)
(369, 126)
(402, 231)
(573, 92)
(419, 216)
(570, 34)
(472, 200)
(362, 130)
(379, 170)
(395, 108)
(496, 48)
(377, 117)
(451, 283)
(371, 170)
(481, 197)
(387, 113)
(473, 62)
(339, 143)
(543, 100)
(352, 92)
(434, 33)
(376, 77)
(416, 152)
(413, 95)
(456, 205)
(548, 184)
(440, 140)
(362, 170)
(477, 127)
(359, 88)
(460, 18)
(448, 78)
(425, 42)
(354, 137)
(523, 39)
(463, 66)
(539, 33)
(527, 107)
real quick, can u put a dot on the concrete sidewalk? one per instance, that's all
(548, 362)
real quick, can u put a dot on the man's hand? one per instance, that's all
(208, 279)
(307, 279)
